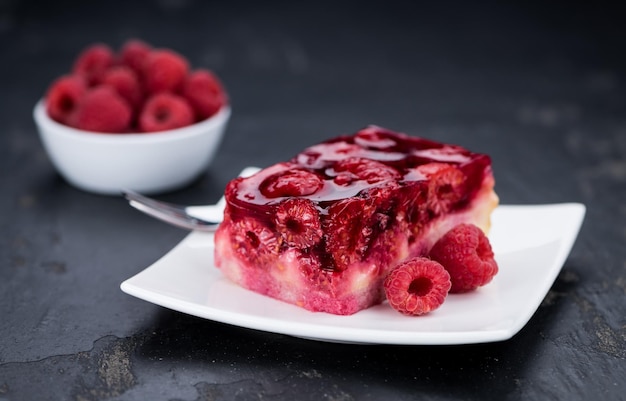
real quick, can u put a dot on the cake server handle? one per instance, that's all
(199, 218)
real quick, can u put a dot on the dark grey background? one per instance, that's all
(540, 88)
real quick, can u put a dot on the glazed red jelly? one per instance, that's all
(323, 229)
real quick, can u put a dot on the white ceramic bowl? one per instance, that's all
(147, 163)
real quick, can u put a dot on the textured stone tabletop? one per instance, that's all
(542, 90)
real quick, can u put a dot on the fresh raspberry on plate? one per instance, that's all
(102, 110)
(92, 62)
(465, 252)
(204, 92)
(165, 71)
(417, 286)
(165, 111)
(63, 97)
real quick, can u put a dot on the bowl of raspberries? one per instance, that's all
(137, 118)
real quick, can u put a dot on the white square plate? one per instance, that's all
(531, 244)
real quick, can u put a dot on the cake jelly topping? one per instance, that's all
(347, 166)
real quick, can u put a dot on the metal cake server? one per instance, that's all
(200, 218)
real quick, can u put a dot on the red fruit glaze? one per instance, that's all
(64, 96)
(353, 169)
(204, 93)
(417, 286)
(102, 110)
(465, 252)
(165, 111)
(291, 182)
(165, 71)
(380, 198)
(92, 63)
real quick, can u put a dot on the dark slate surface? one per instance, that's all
(540, 89)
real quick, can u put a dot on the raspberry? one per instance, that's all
(102, 110)
(374, 137)
(383, 197)
(417, 286)
(204, 93)
(385, 249)
(165, 71)
(445, 188)
(348, 230)
(356, 168)
(64, 96)
(293, 182)
(92, 63)
(165, 111)
(134, 54)
(308, 158)
(254, 242)
(466, 254)
(314, 272)
(412, 207)
(319, 156)
(383, 201)
(124, 80)
(298, 221)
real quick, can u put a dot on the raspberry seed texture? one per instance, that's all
(466, 254)
(417, 286)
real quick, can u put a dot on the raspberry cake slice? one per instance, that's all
(323, 230)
